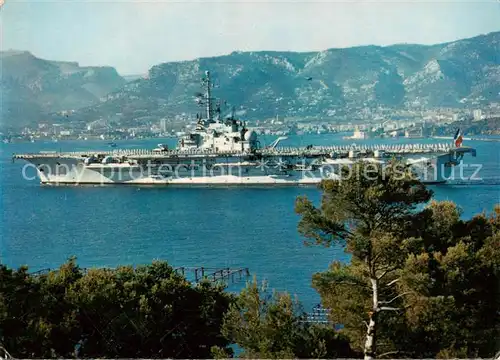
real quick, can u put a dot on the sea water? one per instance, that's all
(255, 228)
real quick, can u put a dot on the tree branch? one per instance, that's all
(388, 353)
(347, 232)
(376, 257)
(393, 281)
(395, 298)
(387, 308)
(388, 270)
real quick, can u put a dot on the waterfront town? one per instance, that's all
(362, 124)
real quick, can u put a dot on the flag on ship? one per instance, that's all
(458, 138)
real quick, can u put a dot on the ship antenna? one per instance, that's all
(218, 111)
(208, 96)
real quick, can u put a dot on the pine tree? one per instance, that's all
(421, 282)
(365, 212)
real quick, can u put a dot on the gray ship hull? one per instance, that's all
(281, 167)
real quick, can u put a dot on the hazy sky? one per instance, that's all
(134, 35)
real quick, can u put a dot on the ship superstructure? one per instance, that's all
(224, 151)
(214, 133)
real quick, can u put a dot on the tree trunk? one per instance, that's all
(370, 343)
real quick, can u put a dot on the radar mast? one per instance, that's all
(208, 95)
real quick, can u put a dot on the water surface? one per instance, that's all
(216, 227)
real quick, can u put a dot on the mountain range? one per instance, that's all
(33, 88)
(262, 84)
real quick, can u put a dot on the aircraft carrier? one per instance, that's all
(224, 151)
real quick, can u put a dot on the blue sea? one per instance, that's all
(213, 227)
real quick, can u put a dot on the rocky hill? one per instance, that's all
(261, 84)
(31, 87)
(322, 83)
